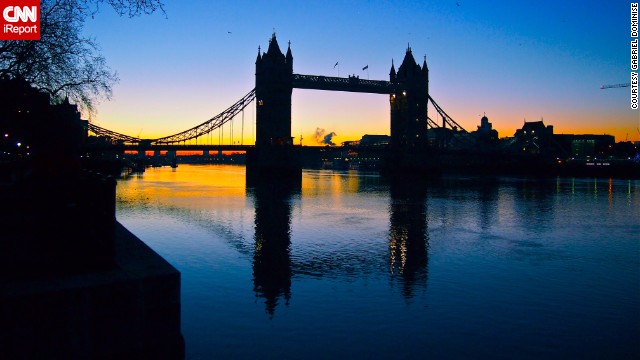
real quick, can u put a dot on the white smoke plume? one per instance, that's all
(323, 138)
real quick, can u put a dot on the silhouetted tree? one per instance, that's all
(130, 8)
(63, 62)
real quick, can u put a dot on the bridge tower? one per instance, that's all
(274, 152)
(274, 86)
(409, 102)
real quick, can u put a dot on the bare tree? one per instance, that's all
(63, 62)
(130, 8)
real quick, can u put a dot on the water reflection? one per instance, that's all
(534, 204)
(408, 237)
(272, 252)
(488, 198)
(353, 254)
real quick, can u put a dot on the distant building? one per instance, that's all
(535, 138)
(584, 146)
(374, 140)
(368, 140)
(485, 133)
(349, 143)
(534, 129)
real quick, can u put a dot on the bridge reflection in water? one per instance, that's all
(366, 264)
(272, 251)
(273, 266)
(408, 236)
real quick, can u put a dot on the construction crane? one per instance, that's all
(615, 86)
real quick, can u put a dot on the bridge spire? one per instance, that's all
(425, 69)
(274, 48)
(392, 73)
(259, 58)
(289, 57)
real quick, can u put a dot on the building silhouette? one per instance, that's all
(582, 146)
(486, 135)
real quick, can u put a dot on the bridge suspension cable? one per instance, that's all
(459, 136)
(114, 136)
(206, 127)
(431, 124)
(446, 118)
(211, 124)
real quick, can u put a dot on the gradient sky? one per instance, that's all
(511, 60)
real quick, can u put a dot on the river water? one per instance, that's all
(351, 265)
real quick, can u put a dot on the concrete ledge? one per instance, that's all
(129, 311)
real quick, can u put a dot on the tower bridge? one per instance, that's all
(408, 90)
(274, 150)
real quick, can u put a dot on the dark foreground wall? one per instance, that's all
(74, 284)
(131, 311)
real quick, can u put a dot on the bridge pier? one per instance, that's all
(273, 162)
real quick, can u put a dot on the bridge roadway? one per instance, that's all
(228, 147)
(190, 147)
(205, 147)
(349, 84)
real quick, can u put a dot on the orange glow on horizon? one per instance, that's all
(228, 184)
(187, 152)
(308, 138)
(350, 116)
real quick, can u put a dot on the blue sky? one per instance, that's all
(510, 60)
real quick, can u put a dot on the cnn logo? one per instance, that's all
(20, 20)
(15, 13)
